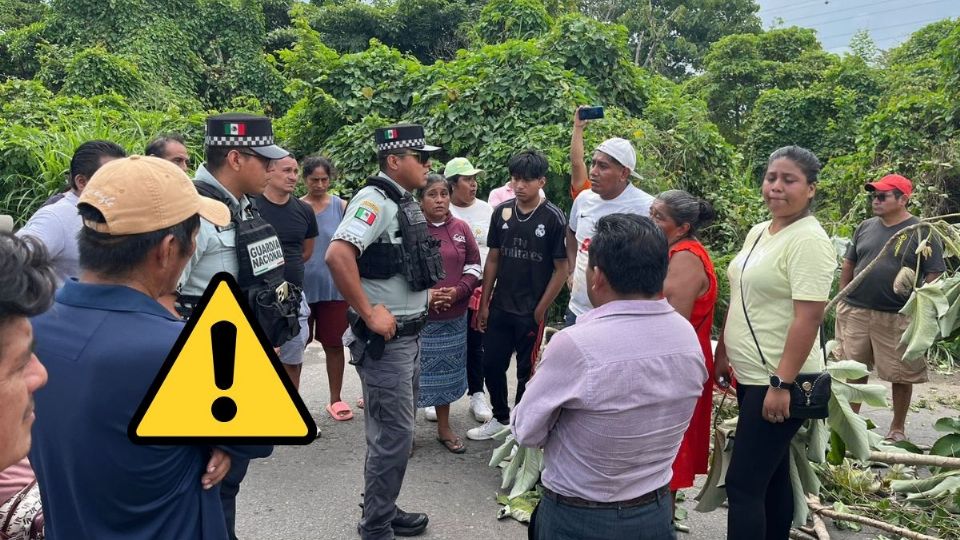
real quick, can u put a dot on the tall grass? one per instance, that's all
(35, 159)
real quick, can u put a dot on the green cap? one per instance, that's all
(460, 166)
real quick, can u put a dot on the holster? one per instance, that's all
(374, 343)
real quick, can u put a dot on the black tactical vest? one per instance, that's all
(260, 275)
(417, 258)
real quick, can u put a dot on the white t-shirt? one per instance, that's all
(477, 215)
(587, 209)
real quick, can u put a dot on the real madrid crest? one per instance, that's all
(540, 231)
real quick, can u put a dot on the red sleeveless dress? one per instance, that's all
(694, 450)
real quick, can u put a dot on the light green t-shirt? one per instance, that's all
(797, 263)
(371, 217)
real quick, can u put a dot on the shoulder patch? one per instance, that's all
(370, 205)
(506, 213)
(365, 214)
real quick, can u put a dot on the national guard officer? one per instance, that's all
(383, 261)
(238, 150)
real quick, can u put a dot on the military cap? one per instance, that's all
(243, 130)
(402, 136)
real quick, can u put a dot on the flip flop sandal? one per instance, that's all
(454, 445)
(895, 435)
(339, 411)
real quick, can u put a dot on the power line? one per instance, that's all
(873, 13)
(797, 6)
(872, 30)
(861, 6)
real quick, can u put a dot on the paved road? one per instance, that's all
(312, 492)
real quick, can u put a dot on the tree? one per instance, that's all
(740, 67)
(672, 36)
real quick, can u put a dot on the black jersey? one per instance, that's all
(529, 244)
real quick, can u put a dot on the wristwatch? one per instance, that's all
(777, 382)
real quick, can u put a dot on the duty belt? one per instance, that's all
(643, 500)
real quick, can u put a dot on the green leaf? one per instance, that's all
(947, 446)
(847, 370)
(908, 446)
(947, 425)
(850, 427)
(870, 394)
(838, 449)
(510, 471)
(712, 494)
(502, 451)
(529, 471)
(950, 319)
(925, 307)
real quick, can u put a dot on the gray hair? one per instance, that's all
(685, 208)
(432, 178)
(803, 158)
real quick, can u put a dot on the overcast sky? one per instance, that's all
(889, 22)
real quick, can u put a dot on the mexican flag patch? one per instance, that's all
(390, 134)
(366, 215)
(235, 129)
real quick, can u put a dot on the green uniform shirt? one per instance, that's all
(216, 246)
(371, 217)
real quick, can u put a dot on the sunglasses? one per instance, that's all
(881, 196)
(265, 160)
(422, 157)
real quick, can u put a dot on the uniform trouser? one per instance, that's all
(505, 334)
(229, 487)
(474, 357)
(390, 387)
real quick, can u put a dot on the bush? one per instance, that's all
(503, 20)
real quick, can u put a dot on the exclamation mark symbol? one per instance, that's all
(223, 337)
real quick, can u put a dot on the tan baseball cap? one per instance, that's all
(141, 194)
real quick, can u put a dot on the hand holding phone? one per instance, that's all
(591, 113)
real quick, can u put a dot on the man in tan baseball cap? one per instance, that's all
(103, 342)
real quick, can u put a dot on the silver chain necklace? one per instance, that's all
(516, 211)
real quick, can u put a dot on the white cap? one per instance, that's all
(622, 151)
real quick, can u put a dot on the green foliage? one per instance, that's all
(672, 37)
(739, 67)
(95, 71)
(20, 13)
(502, 20)
(20, 51)
(595, 51)
(427, 29)
(39, 133)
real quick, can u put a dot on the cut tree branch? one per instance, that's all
(855, 282)
(825, 511)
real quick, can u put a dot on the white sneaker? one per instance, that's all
(430, 413)
(478, 406)
(486, 431)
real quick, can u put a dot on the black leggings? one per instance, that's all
(758, 481)
(474, 357)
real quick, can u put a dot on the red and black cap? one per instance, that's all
(243, 130)
(401, 136)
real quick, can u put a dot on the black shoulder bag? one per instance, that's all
(810, 393)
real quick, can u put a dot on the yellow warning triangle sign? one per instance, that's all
(222, 382)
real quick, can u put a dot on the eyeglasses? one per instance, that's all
(881, 196)
(422, 157)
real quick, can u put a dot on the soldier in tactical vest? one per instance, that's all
(238, 150)
(383, 261)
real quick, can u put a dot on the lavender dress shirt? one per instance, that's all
(612, 400)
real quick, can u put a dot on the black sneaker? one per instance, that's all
(405, 523)
(409, 524)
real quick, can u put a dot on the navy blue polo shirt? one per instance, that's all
(102, 346)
